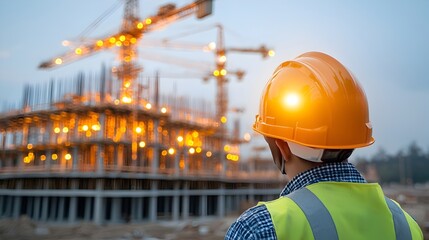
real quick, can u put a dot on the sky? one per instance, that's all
(384, 43)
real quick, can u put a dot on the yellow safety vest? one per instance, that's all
(339, 210)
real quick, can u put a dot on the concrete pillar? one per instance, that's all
(116, 210)
(30, 207)
(185, 201)
(37, 208)
(176, 201)
(98, 210)
(102, 120)
(153, 202)
(53, 212)
(75, 158)
(203, 205)
(9, 205)
(45, 204)
(17, 201)
(98, 203)
(72, 209)
(166, 205)
(175, 210)
(3, 205)
(61, 206)
(153, 207)
(221, 201)
(87, 214)
(227, 204)
(16, 207)
(233, 201)
(100, 158)
(237, 201)
(133, 216)
(139, 209)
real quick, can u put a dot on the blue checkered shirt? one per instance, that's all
(255, 223)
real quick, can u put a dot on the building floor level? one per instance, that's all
(110, 202)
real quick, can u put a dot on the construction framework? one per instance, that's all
(73, 152)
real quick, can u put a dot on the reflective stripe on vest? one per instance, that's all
(402, 228)
(318, 216)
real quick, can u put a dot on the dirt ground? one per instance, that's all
(196, 229)
(207, 229)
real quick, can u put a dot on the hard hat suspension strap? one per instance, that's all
(277, 155)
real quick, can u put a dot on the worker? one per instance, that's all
(313, 114)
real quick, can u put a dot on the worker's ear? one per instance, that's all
(284, 149)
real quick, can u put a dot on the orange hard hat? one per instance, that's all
(313, 100)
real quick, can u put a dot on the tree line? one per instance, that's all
(407, 166)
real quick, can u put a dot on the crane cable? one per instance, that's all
(200, 30)
(102, 17)
(192, 32)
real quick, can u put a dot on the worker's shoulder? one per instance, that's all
(255, 215)
(254, 223)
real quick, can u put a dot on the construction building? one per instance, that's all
(110, 148)
(83, 156)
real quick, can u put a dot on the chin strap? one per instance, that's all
(283, 166)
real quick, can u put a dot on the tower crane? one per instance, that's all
(220, 71)
(127, 38)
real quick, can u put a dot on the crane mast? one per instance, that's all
(128, 68)
(220, 73)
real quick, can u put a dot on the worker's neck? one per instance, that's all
(296, 165)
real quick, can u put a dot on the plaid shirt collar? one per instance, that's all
(330, 172)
